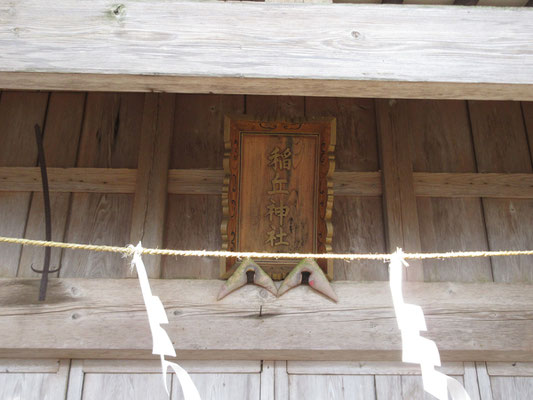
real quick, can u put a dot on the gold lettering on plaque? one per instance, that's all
(276, 239)
(279, 161)
(277, 185)
(278, 210)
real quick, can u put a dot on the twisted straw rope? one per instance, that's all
(129, 251)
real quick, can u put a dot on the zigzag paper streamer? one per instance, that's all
(162, 344)
(415, 348)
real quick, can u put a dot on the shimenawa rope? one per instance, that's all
(240, 254)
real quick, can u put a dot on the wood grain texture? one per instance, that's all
(510, 369)
(366, 368)
(60, 139)
(268, 380)
(441, 141)
(501, 145)
(207, 181)
(527, 113)
(109, 139)
(149, 204)
(335, 387)
(29, 366)
(471, 383)
(124, 386)
(89, 180)
(356, 148)
(389, 387)
(399, 201)
(75, 380)
(412, 388)
(275, 107)
(222, 386)
(262, 86)
(281, 377)
(486, 54)
(153, 366)
(199, 130)
(467, 321)
(359, 228)
(19, 112)
(357, 223)
(31, 385)
(519, 388)
(457, 184)
(193, 222)
(195, 181)
(485, 390)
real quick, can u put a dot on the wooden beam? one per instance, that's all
(209, 182)
(493, 185)
(106, 318)
(256, 48)
(399, 201)
(149, 205)
(75, 180)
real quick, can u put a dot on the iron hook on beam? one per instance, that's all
(47, 217)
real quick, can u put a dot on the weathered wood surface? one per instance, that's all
(19, 112)
(334, 387)
(441, 141)
(194, 221)
(209, 182)
(366, 368)
(399, 201)
(357, 222)
(149, 204)
(109, 139)
(198, 141)
(363, 50)
(34, 379)
(61, 136)
(527, 114)
(78, 180)
(457, 184)
(123, 386)
(467, 321)
(501, 145)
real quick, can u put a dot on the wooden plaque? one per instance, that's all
(278, 193)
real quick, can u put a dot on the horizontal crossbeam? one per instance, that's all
(354, 50)
(202, 181)
(95, 318)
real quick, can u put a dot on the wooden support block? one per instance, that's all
(106, 318)
(149, 205)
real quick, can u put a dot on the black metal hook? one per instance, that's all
(47, 217)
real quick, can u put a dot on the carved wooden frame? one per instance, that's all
(234, 128)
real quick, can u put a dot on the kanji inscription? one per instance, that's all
(277, 191)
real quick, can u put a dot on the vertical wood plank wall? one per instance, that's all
(105, 130)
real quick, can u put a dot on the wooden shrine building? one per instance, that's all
(432, 105)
